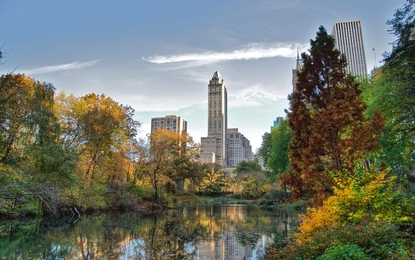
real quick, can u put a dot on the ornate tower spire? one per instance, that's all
(298, 68)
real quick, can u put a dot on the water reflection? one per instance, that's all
(203, 232)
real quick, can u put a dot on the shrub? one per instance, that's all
(344, 252)
(146, 193)
(365, 210)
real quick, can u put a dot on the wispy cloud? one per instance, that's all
(254, 51)
(62, 67)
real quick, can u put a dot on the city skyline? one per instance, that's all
(158, 56)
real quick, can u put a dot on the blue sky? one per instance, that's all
(158, 56)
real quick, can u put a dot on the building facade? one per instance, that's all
(214, 145)
(349, 40)
(171, 122)
(239, 148)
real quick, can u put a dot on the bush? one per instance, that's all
(146, 193)
(344, 252)
(379, 240)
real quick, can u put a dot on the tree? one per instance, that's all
(186, 165)
(169, 161)
(17, 92)
(397, 141)
(278, 160)
(265, 150)
(214, 179)
(393, 93)
(39, 165)
(330, 132)
(252, 184)
(247, 166)
(102, 133)
(105, 126)
(399, 67)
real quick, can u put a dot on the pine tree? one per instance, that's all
(330, 132)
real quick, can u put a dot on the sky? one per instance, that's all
(158, 56)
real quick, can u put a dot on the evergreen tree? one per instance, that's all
(330, 132)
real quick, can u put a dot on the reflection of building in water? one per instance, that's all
(223, 230)
(226, 246)
(229, 248)
(206, 250)
(234, 213)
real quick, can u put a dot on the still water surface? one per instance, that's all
(200, 232)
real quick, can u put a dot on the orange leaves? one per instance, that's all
(330, 132)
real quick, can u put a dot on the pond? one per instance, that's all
(199, 232)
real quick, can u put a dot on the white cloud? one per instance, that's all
(62, 67)
(254, 51)
(252, 97)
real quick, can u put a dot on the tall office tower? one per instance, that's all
(238, 148)
(349, 40)
(214, 145)
(170, 122)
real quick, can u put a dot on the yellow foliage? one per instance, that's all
(360, 199)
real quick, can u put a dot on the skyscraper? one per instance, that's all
(214, 145)
(349, 40)
(238, 148)
(170, 122)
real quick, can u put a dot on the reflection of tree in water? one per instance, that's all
(181, 233)
(169, 237)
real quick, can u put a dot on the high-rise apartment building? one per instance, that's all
(171, 122)
(238, 148)
(214, 145)
(349, 40)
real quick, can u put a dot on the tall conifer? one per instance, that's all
(330, 132)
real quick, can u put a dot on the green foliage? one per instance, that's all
(252, 185)
(140, 191)
(247, 166)
(279, 161)
(344, 252)
(368, 213)
(392, 92)
(61, 151)
(383, 94)
(16, 95)
(378, 240)
(213, 179)
(265, 149)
